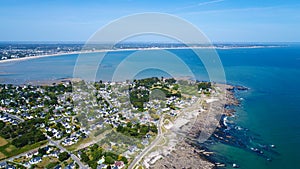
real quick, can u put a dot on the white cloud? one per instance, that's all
(231, 10)
(209, 2)
(198, 4)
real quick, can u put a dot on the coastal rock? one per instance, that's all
(184, 156)
(235, 165)
(187, 153)
(239, 88)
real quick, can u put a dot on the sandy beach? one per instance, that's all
(131, 49)
(42, 56)
(90, 51)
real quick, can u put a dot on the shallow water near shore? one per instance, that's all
(270, 110)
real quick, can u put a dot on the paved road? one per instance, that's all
(107, 100)
(159, 136)
(75, 158)
(22, 154)
(55, 143)
(14, 117)
(146, 150)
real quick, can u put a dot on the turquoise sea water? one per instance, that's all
(270, 109)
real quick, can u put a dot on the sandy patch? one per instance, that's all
(2, 155)
(3, 141)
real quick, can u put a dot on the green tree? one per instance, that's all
(63, 156)
(109, 160)
(85, 158)
(42, 151)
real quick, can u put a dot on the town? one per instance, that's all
(22, 50)
(77, 124)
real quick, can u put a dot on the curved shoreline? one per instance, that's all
(132, 49)
(201, 123)
(84, 52)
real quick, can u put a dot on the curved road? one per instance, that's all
(146, 150)
(75, 158)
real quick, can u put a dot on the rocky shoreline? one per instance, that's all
(188, 153)
(194, 152)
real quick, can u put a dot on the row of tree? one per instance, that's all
(92, 155)
(136, 130)
(23, 134)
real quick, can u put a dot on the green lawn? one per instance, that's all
(189, 90)
(3, 141)
(10, 150)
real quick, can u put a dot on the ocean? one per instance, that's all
(269, 110)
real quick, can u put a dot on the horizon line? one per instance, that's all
(126, 42)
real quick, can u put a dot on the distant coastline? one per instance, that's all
(225, 47)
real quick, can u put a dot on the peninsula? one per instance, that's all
(145, 123)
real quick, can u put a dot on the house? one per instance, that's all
(101, 166)
(35, 152)
(35, 160)
(57, 167)
(57, 135)
(54, 154)
(145, 142)
(27, 165)
(29, 155)
(119, 164)
(101, 160)
(3, 164)
(10, 167)
(70, 166)
(48, 149)
(132, 148)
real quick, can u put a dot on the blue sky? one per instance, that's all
(220, 20)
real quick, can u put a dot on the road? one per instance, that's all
(146, 150)
(14, 117)
(103, 96)
(22, 154)
(108, 101)
(159, 135)
(55, 143)
(75, 158)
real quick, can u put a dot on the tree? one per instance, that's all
(49, 133)
(124, 159)
(97, 154)
(120, 128)
(155, 116)
(170, 81)
(109, 160)
(42, 151)
(153, 128)
(63, 156)
(176, 87)
(52, 165)
(85, 158)
(94, 147)
(204, 85)
(129, 124)
(2, 124)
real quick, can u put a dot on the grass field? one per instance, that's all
(2, 141)
(189, 90)
(46, 161)
(9, 150)
(2, 155)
